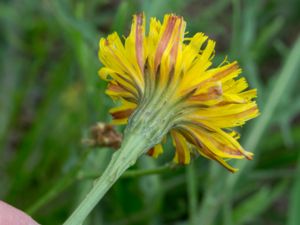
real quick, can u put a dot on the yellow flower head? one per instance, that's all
(166, 77)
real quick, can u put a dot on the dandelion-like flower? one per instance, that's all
(165, 84)
(167, 75)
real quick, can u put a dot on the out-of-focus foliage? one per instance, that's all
(50, 95)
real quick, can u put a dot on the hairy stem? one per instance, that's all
(131, 149)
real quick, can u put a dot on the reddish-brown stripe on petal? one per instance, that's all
(132, 91)
(118, 87)
(179, 149)
(211, 155)
(188, 137)
(222, 147)
(139, 40)
(122, 92)
(122, 114)
(213, 93)
(225, 72)
(219, 75)
(115, 88)
(227, 149)
(133, 80)
(151, 151)
(204, 150)
(164, 40)
(174, 50)
(247, 112)
(193, 139)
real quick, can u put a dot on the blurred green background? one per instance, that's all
(50, 96)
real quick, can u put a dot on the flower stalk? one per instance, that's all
(146, 128)
(121, 160)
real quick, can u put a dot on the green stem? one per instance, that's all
(131, 149)
(146, 127)
(73, 176)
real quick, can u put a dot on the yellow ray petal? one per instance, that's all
(195, 74)
(218, 159)
(121, 113)
(225, 116)
(116, 91)
(191, 50)
(156, 151)
(182, 154)
(135, 44)
(113, 55)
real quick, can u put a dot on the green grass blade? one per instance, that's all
(294, 205)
